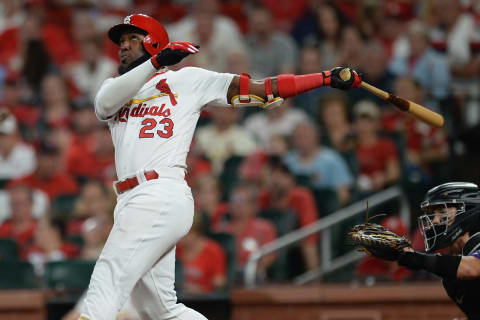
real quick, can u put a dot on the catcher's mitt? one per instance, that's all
(379, 242)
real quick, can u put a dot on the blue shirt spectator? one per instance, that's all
(428, 67)
(324, 167)
(326, 170)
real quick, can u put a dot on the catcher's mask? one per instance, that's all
(450, 210)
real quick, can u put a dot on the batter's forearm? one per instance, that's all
(284, 85)
(114, 93)
(270, 92)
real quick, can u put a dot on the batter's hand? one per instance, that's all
(173, 53)
(345, 78)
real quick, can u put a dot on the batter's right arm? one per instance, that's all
(115, 92)
(270, 92)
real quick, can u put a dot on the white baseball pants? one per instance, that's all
(139, 255)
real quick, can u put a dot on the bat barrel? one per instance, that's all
(426, 115)
(418, 111)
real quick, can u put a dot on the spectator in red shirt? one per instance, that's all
(377, 157)
(198, 166)
(250, 231)
(203, 261)
(283, 194)
(21, 226)
(35, 28)
(27, 116)
(48, 176)
(286, 12)
(91, 153)
(49, 245)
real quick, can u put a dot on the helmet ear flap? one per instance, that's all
(151, 45)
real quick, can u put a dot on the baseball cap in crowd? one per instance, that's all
(8, 123)
(366, 109)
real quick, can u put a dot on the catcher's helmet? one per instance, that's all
(156, 35)
(440, 224)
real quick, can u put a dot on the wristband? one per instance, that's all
(244, 88)
(444, 266)
(268, 88)
(155, 63)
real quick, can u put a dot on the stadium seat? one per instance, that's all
(352, 162)
(8, 250)
(283, 220)
(76, 240)
(3, 183)
(304, 180)
(229, 175)
(327, 201)
(73, 275)
(17, 275)
(227, 241)
(179, 280)
(63, 205)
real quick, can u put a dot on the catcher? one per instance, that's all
(451, 219)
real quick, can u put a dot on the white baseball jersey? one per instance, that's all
(152, 117)
(155, 128)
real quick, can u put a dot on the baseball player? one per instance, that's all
(451, 221)
(152, 113)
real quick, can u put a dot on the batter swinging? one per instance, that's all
(152, 113)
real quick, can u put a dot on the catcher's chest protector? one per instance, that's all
(465, 293)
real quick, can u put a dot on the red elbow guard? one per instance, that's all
(290, 85)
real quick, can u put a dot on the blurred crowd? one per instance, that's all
(256, 175)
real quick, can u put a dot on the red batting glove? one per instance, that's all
(173, 53)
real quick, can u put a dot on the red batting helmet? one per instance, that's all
(156, 35)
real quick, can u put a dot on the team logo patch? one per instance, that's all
(127, 19)
(163, 87)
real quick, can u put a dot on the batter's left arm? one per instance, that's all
(115, 92)
(271, 91)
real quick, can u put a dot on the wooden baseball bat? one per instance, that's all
(420, 112)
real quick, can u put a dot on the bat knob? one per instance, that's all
(345, 74)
